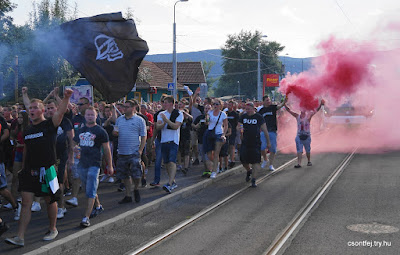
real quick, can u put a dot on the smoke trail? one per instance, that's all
(360, 73)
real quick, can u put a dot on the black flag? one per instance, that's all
(107, 50)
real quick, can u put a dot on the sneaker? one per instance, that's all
(36, 207)
(60, 213)
(220, 170)
(248, 175)
(3, 227)
(73, 201)
(167, 188)
(85, 222)
(125, 200)
(136, 194)
(144, 183)
(271, 168)
(264, 163)
(297, 166)
(196, 162)
(174, 186)
(206, 174)
(121, 187)
(309, 163)
(67, 192)
(155, 184)
(7, 206)
(17, 212)
(96, 211)
(213, 175)
(231, 164)
(104, 178)
(50, 235)
(15, 241)
(253, 182)
(111, 180)
(185, 170)
(225, 169)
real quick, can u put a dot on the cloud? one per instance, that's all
(290, 13)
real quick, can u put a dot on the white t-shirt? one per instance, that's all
(213, 122)
(169, 135)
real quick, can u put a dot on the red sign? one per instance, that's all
(271, 80)
(152, 90)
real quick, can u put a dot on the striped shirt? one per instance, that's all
(130, 132)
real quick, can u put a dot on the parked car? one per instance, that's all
(346, 114)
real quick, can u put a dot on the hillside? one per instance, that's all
(293, 65)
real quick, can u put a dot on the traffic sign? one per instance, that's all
(171, 86)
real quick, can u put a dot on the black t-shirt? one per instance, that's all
(233, 118)
(90, 140)
(3, 145)
(203, 127)
(269, 114)
(40, 143)
(62, 137)
(155, 120)
(109, 130)
(251, 128)
(185, 129)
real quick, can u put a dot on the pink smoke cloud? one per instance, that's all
(348, 70)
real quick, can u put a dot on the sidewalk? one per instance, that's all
(70, 233)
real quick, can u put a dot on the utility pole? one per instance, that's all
(16, 79)
(238, 89)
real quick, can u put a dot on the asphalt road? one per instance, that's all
(360, 214)
(249, 223)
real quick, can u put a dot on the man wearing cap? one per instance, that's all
(250, 150)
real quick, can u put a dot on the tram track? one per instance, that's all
(279, 243)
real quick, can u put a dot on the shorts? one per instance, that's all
(303, 143)
(209, 140)
(272, 140)
(74, 169)
(61, 167)
(224, 150)
(238, 137)
(193, 138)
(129, 166)
(184, 147)
(90, 179)
(18, 156)
(250, 154)
(232, 138)
(29, 181)
(3, 177)
(169, 152)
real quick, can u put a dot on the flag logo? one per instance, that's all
(107, 48)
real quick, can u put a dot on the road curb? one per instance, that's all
(83, 236)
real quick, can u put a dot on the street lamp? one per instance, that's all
(174, 67)
(238, 82)
(259, 84)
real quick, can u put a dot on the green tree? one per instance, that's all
(240, 63)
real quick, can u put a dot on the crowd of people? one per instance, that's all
(53, 147)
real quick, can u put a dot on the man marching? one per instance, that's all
(38, 176)
(250, 151)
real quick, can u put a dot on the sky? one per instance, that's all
(205, 24)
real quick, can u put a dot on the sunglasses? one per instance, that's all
(80, 104)
(215, 104)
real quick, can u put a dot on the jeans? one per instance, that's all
(157, 167)
(90, 179)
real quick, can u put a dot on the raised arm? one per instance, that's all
(62, 108)
(291, 112)
(25, 98)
